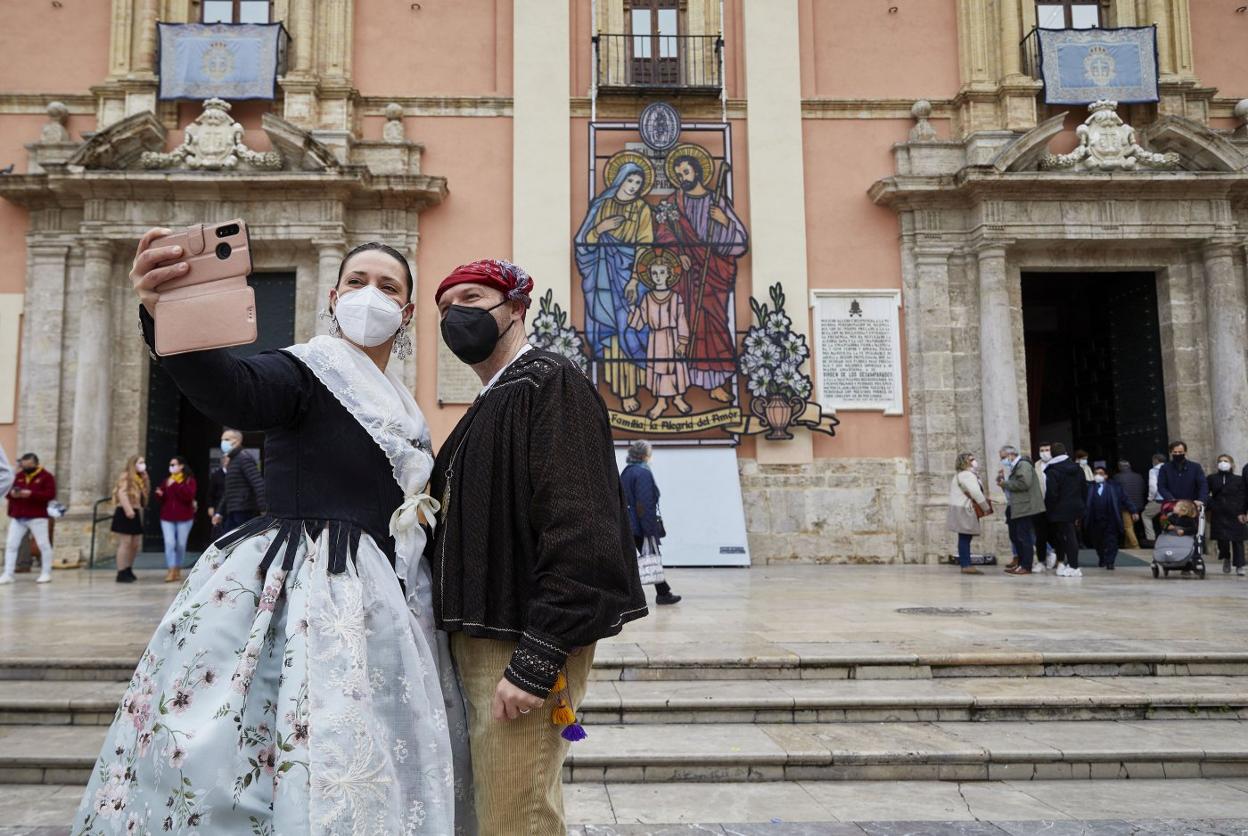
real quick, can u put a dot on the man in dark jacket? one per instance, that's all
(1182, 479)
(244, 486)
(1135, 488)
(1106, 512)
(1025, 502)
(1064, 503)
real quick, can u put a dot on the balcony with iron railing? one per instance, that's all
(679, 63)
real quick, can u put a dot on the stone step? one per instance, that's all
(622, 661)
(911, 751)
(814, 752)
(1012, 699)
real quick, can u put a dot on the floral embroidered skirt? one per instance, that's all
(298, 703)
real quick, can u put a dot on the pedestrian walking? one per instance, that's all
(1135, 488)
(1046, 555)
(1024, 503)
(216, 496)
(177, 515)
(244, 497)
(967, 503)
(641, 493)
(1181, 478)
(1228, 502)
(1106, 511)
(130, 494)
(1081, 459)
(1152, 509)
(33, 488)
(1065, 493)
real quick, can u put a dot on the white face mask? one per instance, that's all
(1083, 461)
(1224, 466)
(367, 316)
(1045, 456)
(140, 467)
(1100, 477)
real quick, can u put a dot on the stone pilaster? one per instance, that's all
(329, 255)
(1226, 302)
(999, 373)
(92, 395)
(43, 317)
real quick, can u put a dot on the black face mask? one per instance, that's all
(1179, 458)
(30, 470)
(472, 333)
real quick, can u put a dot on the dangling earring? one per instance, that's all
(402, 348)
(334, 330)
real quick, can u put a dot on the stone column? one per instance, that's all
(996, 356)
(92, 382)
(303, 36)
(1225, 300)
(328, 256)
(1159, 14)
(1011, 34)
(144, 56)
(43, 320)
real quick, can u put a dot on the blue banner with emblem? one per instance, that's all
(1080, 66)
(221, 60)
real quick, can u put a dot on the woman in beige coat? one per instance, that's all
(130, 495)
(965, 492)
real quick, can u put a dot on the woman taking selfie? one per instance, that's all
(293, 685)
(177, 515)
(130, 495)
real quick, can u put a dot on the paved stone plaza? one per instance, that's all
(789, 700)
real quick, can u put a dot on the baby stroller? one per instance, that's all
(1181, 552)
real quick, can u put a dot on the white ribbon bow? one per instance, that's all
(407, 516)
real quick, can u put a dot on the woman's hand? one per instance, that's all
(160, 491)
(152, 267)
(129, 514)
(610, 224)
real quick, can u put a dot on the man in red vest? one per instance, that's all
(33, 489)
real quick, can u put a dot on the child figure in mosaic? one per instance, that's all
(296, 685)
(662, 311)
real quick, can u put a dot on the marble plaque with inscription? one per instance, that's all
(457, 382)
(858, 350)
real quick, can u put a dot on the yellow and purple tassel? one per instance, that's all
(563, 715)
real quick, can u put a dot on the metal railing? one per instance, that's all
(96, 519)
(659, 62)
(1030, 49)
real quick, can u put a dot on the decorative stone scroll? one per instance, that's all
(214, 141)
(1106, 143)
(858, 350)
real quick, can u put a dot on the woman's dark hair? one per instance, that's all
(388, 250)
(186, 467)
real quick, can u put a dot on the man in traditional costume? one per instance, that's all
(533, 558)
(710, 238)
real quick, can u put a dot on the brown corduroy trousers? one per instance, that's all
(517, 765)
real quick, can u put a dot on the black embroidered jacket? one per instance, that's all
(534, 544)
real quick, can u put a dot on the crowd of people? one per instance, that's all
(1058, 503)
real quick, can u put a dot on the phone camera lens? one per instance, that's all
(227, 230)
(223, 251)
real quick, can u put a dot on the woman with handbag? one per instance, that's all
(642, 495)
(967, 503)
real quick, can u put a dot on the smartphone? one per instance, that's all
(211, 306)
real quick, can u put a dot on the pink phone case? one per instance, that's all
(211, 306)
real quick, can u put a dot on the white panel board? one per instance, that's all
(701, 505)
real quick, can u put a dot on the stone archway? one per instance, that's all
(85, 371)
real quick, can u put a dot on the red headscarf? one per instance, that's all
(504, 276)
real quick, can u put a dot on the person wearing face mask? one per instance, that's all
(309, 627)
(1228, 500)
(966, 495)
(1064, 500)
(1153, 507)
(130, 495)
(1081, 459)
(177, 514)
(243, 498)
(1046, 556)
(534, 559)
(1103, 516)
(1025, 504)
(33, 488)
(1181, 478)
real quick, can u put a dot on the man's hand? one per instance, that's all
(719, 216)
(1135, 517)
(151, 267)
(21, 493)
(510, 702)
(216, 519)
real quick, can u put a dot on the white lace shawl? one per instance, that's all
(388, 412)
